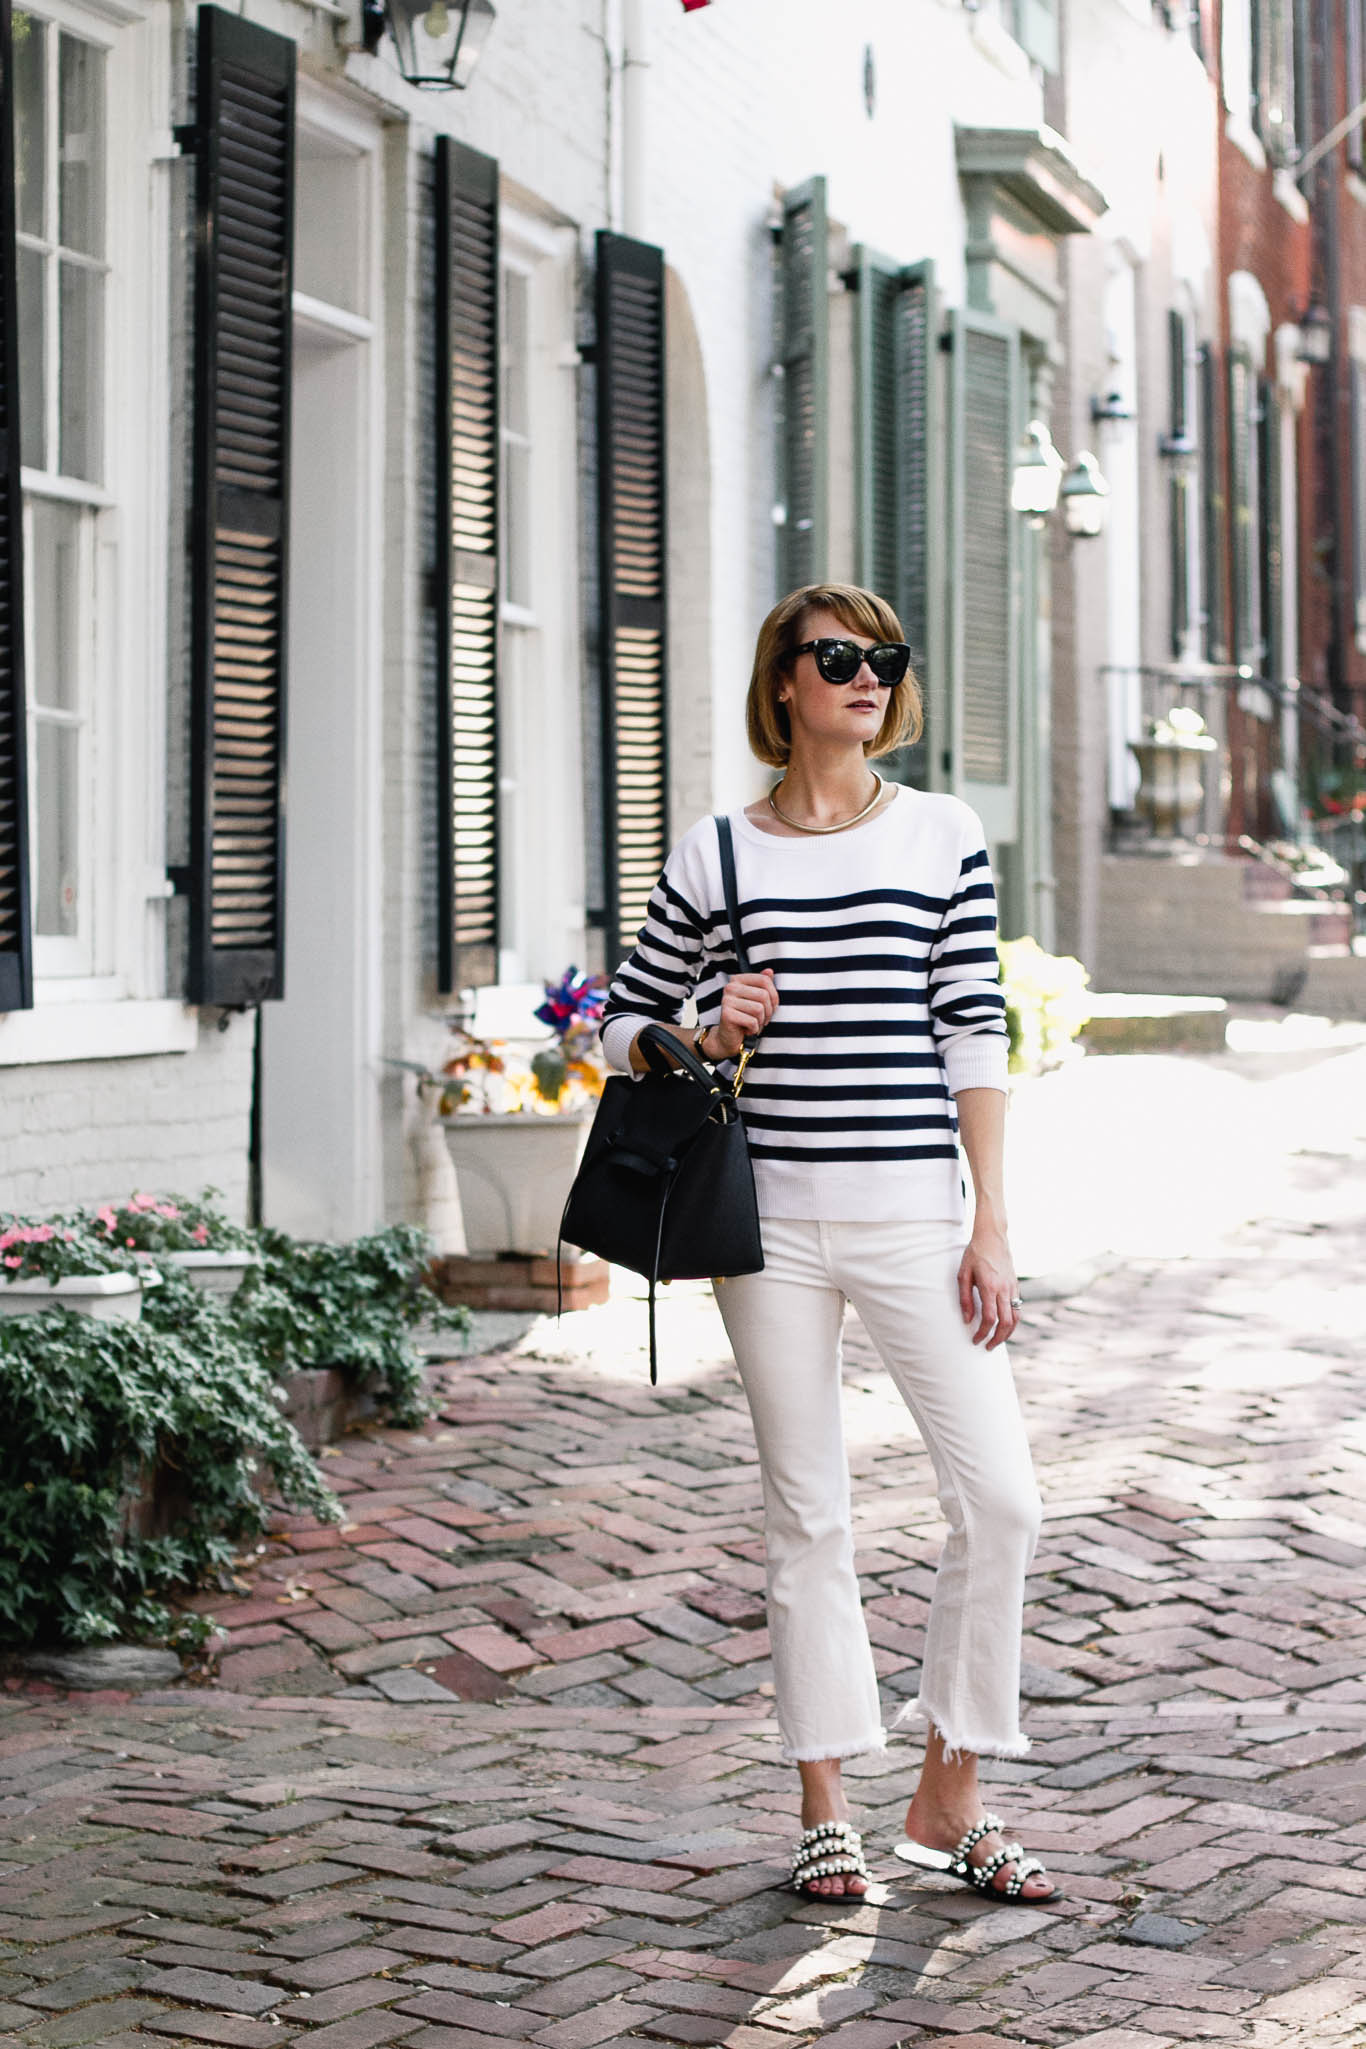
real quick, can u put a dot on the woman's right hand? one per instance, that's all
(747, 1004)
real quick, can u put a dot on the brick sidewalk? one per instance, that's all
(495, 1765)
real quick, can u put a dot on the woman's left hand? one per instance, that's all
(988, 1268)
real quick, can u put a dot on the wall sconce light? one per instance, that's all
(1085, 496)
(1112, 406)
(1316, 335)
(1037, 474)
(439, 42)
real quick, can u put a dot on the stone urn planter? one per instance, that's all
(514, 1171)
(1171, 793)
(105, 1296)
(217, 1273)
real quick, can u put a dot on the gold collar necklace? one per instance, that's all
(843, 824)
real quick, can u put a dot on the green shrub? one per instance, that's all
(1046, 1004)
(86, 1409)
(353, 1306)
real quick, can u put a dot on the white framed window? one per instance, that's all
(515, 510)
(63, 272)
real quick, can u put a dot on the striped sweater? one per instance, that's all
(883, 945)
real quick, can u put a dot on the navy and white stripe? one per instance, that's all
(883, 945)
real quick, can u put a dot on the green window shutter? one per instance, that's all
(1270, 561)
(1355, 144)
(243, 321)
(467, 565)
(897, 458)
(878, 510)
(16, 965)
(1179, 494)
(985, 428)
(1214, 506)
(1180, 485)
(1036, 31)
(1243, 483)
(633, 572)
(804, 406)
(1358, 458)
(1273, 76)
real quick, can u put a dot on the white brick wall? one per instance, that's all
(89, 1131)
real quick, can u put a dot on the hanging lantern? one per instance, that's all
(439, 42)
(1037, 474)
(1084, 493)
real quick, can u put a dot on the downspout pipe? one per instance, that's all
(624, 38)
(635, 66)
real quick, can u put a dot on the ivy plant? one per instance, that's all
(355, 1306)
(89, 1409)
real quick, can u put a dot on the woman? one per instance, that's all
(869, 917)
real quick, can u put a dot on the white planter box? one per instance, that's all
(514, 1173)
(106, 1296)
(217, 1273)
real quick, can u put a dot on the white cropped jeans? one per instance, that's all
(784, 1327)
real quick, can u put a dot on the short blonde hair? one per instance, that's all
(858, 611)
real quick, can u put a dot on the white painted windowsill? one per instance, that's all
(119, 1030)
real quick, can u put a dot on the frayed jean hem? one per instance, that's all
(836, 1750)
(956, 1742)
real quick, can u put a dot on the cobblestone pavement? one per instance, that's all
(494, 1764)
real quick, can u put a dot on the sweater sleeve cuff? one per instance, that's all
(617, 1035)
(979, 1061)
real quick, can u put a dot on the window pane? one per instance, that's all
(55, 570)
(518, 586)
(82, 346)
(32, 359)
(30, 121)
(515, 352)
(81, 148)
(56, 911)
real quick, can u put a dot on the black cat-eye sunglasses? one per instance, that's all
(839, 661)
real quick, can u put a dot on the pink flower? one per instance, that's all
(107, 1216)
(141, 1202)
(14, 1260)
(200, 1234)
(167, 1209)
(131, 1243)
(9, 1237)
(41, 1233)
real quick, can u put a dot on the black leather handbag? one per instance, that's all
(665, 1186)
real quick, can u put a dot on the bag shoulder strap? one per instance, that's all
(727, 844)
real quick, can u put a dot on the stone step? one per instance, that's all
(1137, 1022)
(1334, 985)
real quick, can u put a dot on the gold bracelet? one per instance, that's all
(698, 1036)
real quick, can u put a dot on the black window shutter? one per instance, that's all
(467, 429)
(803, 357)
(1214, 506)
(633, 570)
(244, 204)
(16, 966)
